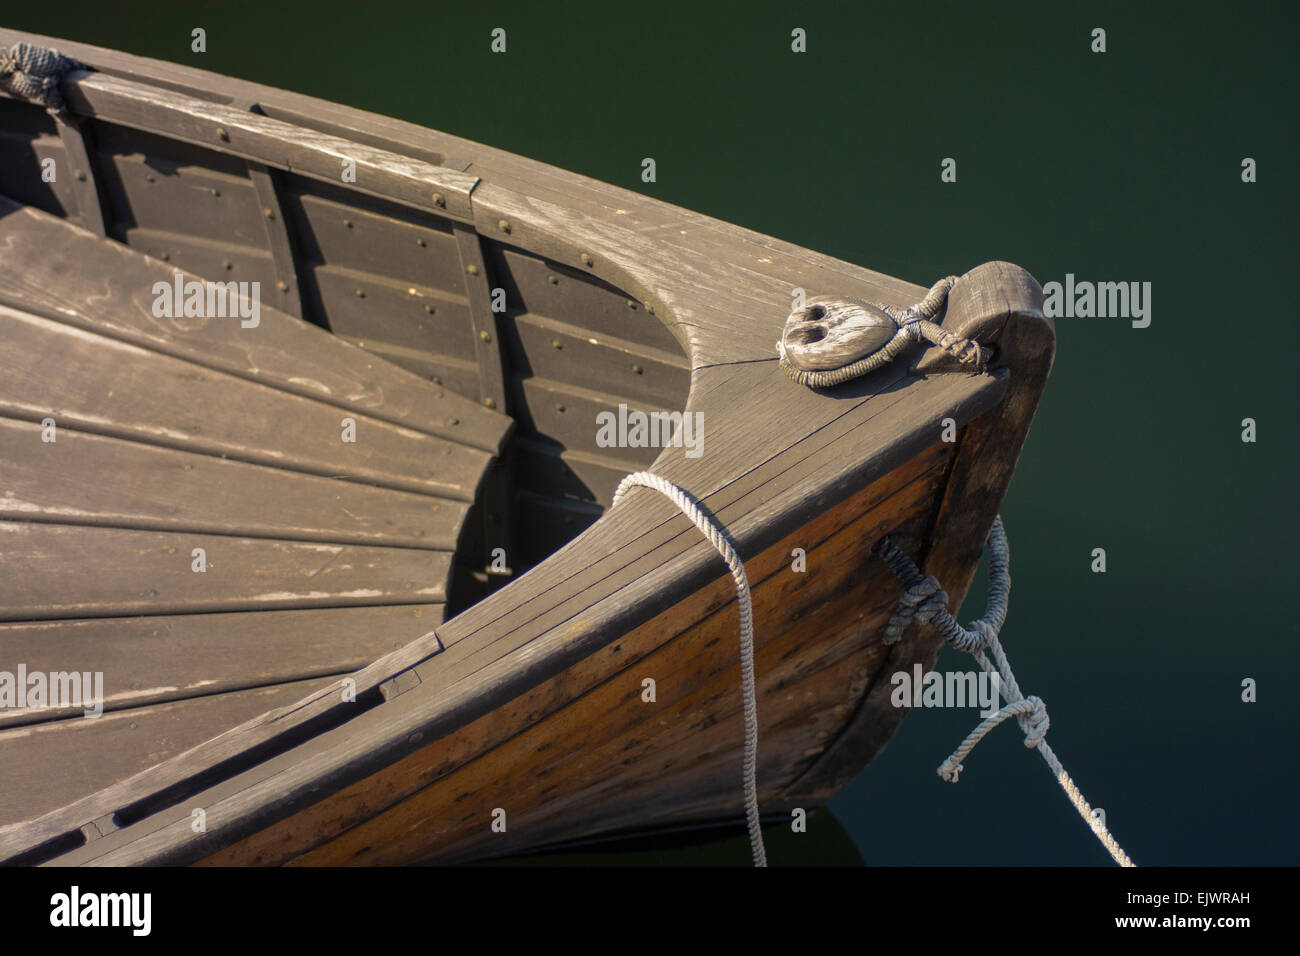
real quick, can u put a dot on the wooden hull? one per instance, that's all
(480, 702)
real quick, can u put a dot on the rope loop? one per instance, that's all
(983, 635)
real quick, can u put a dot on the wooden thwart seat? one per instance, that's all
(182, 511)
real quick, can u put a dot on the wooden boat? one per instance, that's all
(350, 573)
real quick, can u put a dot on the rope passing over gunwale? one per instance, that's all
(34, 73)
(712, 529)
(925, 601)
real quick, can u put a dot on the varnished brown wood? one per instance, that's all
(586, 729)
(528, 694)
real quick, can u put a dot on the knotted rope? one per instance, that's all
(924, 601)
(915, 324)
(33, 72)
(718, 537)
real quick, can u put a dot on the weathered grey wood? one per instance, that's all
(265, 140)
(82, 756)
(124, 572)
(363, 306)
(548, 290)
(49, 264)
(561, 352)
(775, 455)
(329, 703)
(95, 480)
(80, 168)
(487, 338)
(148, 660)
(287, 295)
(97, 384)
(342, 230)
(567, 413)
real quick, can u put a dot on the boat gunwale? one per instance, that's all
(686, 313)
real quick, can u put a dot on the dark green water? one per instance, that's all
(1122, 166)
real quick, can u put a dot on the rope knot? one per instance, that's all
(921, 601)
(1034, 724)
(33, 72)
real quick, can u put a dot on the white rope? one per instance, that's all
(1030, 712)
(718, 537)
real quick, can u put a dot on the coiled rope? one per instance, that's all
(915, 324)
(721, 541)
(33, 72)
(923, 600)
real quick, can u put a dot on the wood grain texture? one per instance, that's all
(778, 458)
(81, 170)
(125, 572)
(97, 384)
(584, 746)
(51, 266)
(92, 479)
(260, 138)
(82, 756)
(157, 658)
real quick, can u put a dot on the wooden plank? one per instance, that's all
(97, 384)
(287, 296)
(148, 660)
(562, 216)
(560, 352)
(262, 733)
(342, 229)
(458, 377)
(276, 144)
(91, 479)
(80, 168)
(244, 792)
(66, 759)
(28, 139)
(363, 306)
(567, 414)
(487, 337)
(793, 265)
(588, 725)
(52, 266)
(122, 572)
(554, 291)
